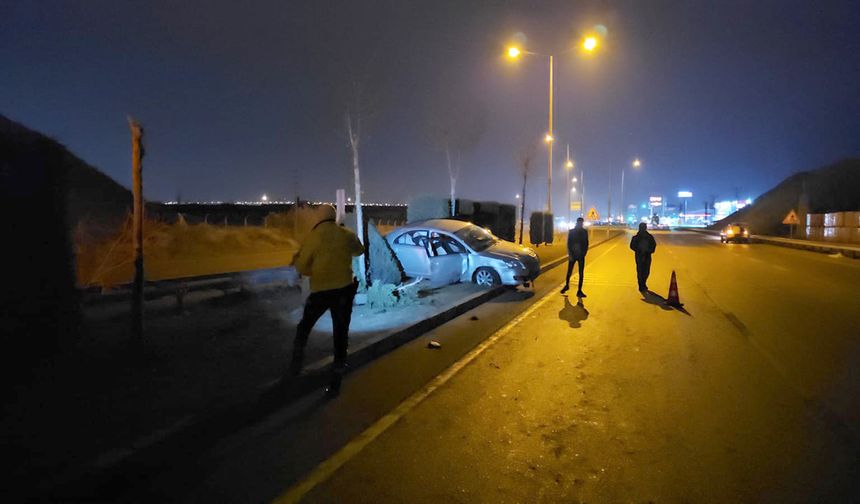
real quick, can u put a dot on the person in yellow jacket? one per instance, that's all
(326, 257)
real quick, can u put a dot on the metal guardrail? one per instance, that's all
(824, 247)
(179, 287)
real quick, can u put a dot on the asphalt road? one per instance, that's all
(749, 394)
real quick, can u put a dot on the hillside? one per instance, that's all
(31, 158)
(833, 188)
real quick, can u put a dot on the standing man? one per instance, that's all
(577, 247)
(643, 245)
(326, 256)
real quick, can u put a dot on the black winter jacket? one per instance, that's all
(577, 242)
(643, 243)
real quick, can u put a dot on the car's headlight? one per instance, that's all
(730, 232)
(513, 264)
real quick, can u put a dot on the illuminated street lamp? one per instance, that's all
(264, 198)
(589, 44)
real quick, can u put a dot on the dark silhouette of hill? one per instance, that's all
(833, 188)
(89, 194)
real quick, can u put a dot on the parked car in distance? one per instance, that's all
(448, 251)
(736, 232)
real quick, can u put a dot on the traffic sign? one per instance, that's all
(791, 218)
(575, 205)
(592, 214)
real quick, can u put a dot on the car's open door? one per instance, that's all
(414, 258)
(445, 269)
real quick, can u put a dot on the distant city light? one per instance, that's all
(264, 198)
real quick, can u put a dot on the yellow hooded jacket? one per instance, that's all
(326, 256)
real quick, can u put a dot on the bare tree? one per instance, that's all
(525, 158)
(358, 101)
(455, 125)
(352, 121)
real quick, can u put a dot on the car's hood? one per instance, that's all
(506, 250)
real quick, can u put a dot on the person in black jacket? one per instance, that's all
(643, 245)
(577, 247)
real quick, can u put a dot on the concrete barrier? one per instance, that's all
(823, 247)
(814, 246)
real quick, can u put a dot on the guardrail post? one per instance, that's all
(181, 290)
(137, 152)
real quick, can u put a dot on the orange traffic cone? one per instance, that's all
(673, 299)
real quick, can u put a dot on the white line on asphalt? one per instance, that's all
(329, 466)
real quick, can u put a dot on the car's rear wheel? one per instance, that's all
(486, 277)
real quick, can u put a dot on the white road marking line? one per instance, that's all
(329, 466)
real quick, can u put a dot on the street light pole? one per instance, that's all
(549, 139)
(589, 44)
(569, 166)
(609, 201)
(623, 208)
(582, 192)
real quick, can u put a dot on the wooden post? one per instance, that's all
(137, 229)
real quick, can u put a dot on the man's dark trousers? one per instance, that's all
(570, 262)
(643, 269)
(339, 302)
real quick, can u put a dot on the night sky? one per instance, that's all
(244, 98)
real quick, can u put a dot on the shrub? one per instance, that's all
(384, 265)
(384, 295)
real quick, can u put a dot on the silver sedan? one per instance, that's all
(448, 251)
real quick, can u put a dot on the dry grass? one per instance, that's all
(181, 250)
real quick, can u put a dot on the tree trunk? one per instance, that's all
(359, 216)
(453, 179)
(523, 206)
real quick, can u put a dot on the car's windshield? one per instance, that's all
(475, 237)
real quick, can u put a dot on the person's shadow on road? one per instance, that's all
(573, 314)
